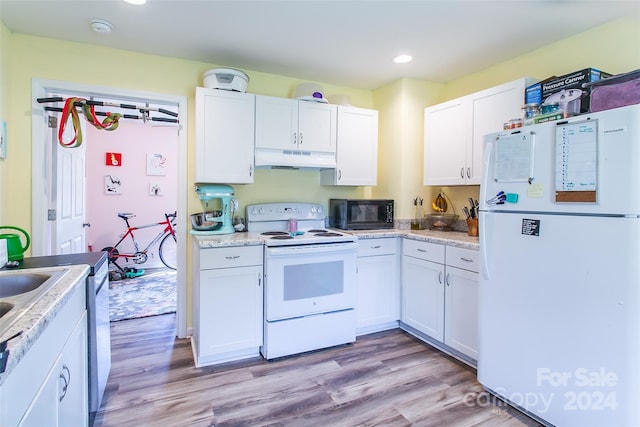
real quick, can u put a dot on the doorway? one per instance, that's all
(41, 225)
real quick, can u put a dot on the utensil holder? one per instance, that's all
(472, 227)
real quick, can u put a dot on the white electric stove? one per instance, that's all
(309, 279)
(272, 221)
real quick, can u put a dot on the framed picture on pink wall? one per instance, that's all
(112, 185)
(155, 164)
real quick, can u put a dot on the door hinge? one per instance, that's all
(51, 214)
(52, 121)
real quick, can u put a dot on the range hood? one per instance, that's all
(294, 159)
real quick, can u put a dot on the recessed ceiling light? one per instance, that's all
(101, 26)
(402, 59)
(136, 2)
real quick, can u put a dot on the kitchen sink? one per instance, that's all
(5, 307)
(21, 289)
(20, 283)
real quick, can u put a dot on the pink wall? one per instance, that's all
(134, 140)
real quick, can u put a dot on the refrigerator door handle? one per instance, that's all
(486, 163)
(484, 225)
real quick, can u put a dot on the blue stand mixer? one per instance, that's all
(217, 218)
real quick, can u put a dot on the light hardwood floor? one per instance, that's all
(384, 379)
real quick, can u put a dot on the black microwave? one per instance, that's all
(360, 214)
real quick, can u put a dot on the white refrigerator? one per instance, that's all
(559, 314)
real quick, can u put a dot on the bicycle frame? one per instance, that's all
(139, 256)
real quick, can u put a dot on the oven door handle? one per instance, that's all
(312, 249)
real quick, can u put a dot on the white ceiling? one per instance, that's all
(341, 42)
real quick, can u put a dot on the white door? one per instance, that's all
(67, 203)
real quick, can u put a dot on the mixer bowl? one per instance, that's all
(206, 221)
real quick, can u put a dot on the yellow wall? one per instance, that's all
(4, 103)
(35, 57)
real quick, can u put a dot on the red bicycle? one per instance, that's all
(167, 250)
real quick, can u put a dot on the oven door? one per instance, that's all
(309, 279)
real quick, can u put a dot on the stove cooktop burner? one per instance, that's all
(317, 230)
(284, 236)
(327, 234)
(274, 233)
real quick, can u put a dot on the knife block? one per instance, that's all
(472, 227)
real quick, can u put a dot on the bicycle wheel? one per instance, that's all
(168, 251)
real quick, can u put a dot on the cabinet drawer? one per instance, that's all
(373, 247)
(423, 250)
(467, 259)
(234, 256)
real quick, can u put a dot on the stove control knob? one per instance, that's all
(254, 211)
(313, 209)
(319, 210)
(263, 211)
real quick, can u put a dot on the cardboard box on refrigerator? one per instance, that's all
(566, 90)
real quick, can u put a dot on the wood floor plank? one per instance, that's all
(384, 379)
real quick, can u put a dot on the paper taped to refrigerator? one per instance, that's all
(514, 157)
(576, 161)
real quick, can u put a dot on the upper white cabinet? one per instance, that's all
(288, 130)
(357, 148)
(454, 132)
(225, 126)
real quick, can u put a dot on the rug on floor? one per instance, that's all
(151, 294)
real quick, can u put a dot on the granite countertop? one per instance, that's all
(226, 240)
(451, 238)
(34, 321)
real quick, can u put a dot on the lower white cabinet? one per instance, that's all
(49, 386)
(63, 396)
(440, 295)
(227, 303)
(378, 287)
(422, 287)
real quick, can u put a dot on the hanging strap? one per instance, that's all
(70, 110)
(111, 122)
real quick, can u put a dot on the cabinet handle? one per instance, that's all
(259, 281)
(295, 138)
(462, 173)
(339, 174)
(421, 250)
(375, 247)
(440, 277)
(250, 169)
(66, 379)
(300, 138)
(466, 259)
(469, 173)
(232, 257)
(447, 279)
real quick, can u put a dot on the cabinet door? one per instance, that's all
(377, 292)
(356, 148)
(491, 109)
(461, 311)
(446, 134)
(225, 123)
(317, 126)
(230, 312)
(276, 123)
(63, 398)
(423, 296)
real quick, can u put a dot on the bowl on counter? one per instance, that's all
(206, 221)
(440, 221)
